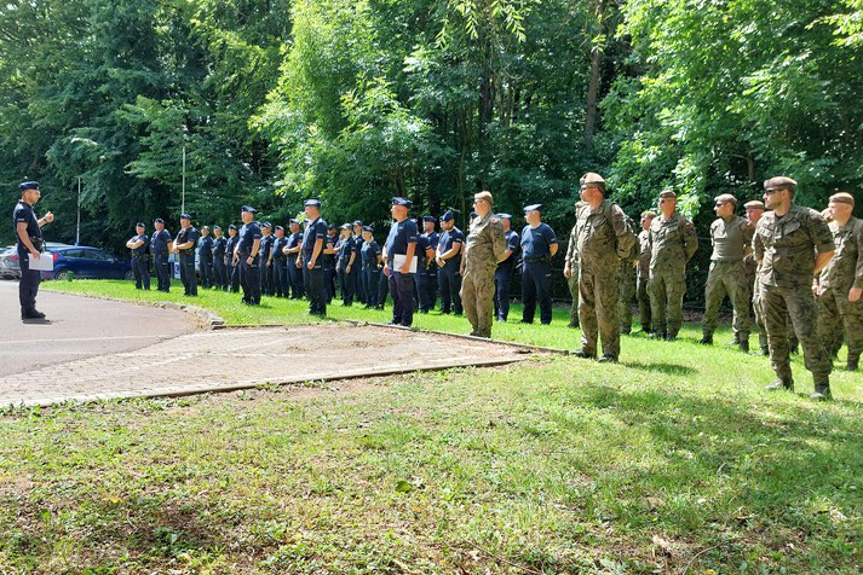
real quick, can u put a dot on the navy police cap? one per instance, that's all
(331, 226)
(266, 225)
(402, 202)
(358, 223)
(232, 227)
(28, 185)
(504, 216)
(312, 202)
(293, 221)
(140, 225)
(346, 226)
(533, 207)
(447, 216)
(249, 209)
(429, 219)
(185, 217)
(158, 221)
(368, 229)
(280, 228)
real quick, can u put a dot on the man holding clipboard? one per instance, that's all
(401, 265)
(28, 230)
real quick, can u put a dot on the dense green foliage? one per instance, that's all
(355, 101)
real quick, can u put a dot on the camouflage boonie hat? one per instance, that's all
(842, 198)
(725, 199)
(754, 205)
(667, 194)
(781, 182)
(592, 178)
(485, 196)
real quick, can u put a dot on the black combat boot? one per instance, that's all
(744, 345)
(780, 384)
(707, 339)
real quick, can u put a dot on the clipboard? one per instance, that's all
(399, 261)
(45, 263)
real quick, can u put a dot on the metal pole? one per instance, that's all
(78, 226)
(183, 201)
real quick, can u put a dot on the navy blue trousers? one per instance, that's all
(402, 290)
(316, 289)
(503, 283)
(250, 279)
(450, 286)
(187, 273)
(28, 286)
(141, 269)
(163, 271)
(536, 287)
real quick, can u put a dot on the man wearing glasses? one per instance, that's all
(484, 248)
(792, 244)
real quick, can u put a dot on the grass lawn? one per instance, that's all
(673, 461)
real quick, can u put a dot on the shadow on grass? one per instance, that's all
(667, 368)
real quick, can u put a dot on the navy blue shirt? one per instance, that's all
(186, 235)
(358, 248)
(229, 248)
(294, 240)
(247, 236)
(432, 239)
(23, 213)
(278, 245)
(267, 246)
(344, 248)
(219, 247)
(159, 242)
(512, 243)
(330, 244)
(401, 234)
(316, 230)
(142, 249)
(446, 241)
(535, 242)
(205, 248)
(422, 246)
(369, 253)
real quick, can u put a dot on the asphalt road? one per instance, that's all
(78, 328)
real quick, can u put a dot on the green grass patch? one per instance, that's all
(674, 461)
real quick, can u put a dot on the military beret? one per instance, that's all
(232, 227)
(185, 217)
(358, 223)
(504, 216)
(293, 221)
(29, 185)
(592, 178)
(533, 208)
(447, 216)
(266, 225)
(667, 194)
(280, 228)
(158, 221)
(842, 198)
(484, 195)
(368, 229)
(647, 214)
(140, 225)
(725, 198)
(429, 219)
(754, 205)
(779, 182)
(312, 202)
(402, 202)
(249, 209)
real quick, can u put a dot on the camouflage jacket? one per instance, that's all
(845, 270)
(786, 246)
(485, 244)
(672, 243)
(603, 237)
(572, 250)
(644, 253)
(731, 239)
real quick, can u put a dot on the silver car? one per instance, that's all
(10, 267)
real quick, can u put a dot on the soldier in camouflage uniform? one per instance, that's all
(672, 245)
(840, 284)
(570, 271)
(603, 239)
(731, 237)
(791, 244)
(644, 270)
(485, 245)
(754, 211)
(627, 279)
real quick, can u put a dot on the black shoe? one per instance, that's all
(525, 321)
(657, 335)
(607, 359)
(584, 354)
(744, 345)
(779, 384)
(573, 324)
(671, 337)
(706, 340)
(32, 314)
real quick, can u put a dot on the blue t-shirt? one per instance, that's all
(422, 246)
(267, 246)
(248, 234)
(369, 252)
(278, 246)
(344, 248)
(23, 213)
(294, 240)
(316, 230)
(401, 234)
(432, 239)
(535, 242)
(512, 243)
(205, 248)
(219, 247)
(358, 248)
(229, 248)
(446, 241)
(185, 236)
(159, 242)
(140, 251)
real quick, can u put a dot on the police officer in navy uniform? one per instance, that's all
(292, 252)
(184, 245)
(428, 275)
(220, 270)
(401, 241)
(371, 256)
(160, 246)
(312, 263)
(247, 256)
(266, 268)
(140, 245)
(28, 230)
(357, 268)
(425, 260)
(230, 265)
(330, 256)
(538, 246)
(448, 259)
(280, 260)
(205, 257)
(505, 269)
(346, 263)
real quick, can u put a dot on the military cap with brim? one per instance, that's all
(249, 209)
(185, 217)
(266, 225)
(592, 178)
(140, 225)
(447, 216)
(331, 226)
(280, 228)
(779, 182)
(313, 202)
(402, 202)
(346, 226)
(533, 208)
(485, 196)
(293, 221)
(217, 228)
(158, 221)
(368, 229)
(429, 219)
(358, 223)
(504, 216)
(754, 205)
(667, 194)
(232, 227)
(724, 199)
(29, 185)
(842, 198)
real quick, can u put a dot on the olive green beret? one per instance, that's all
(725, 198)
(754, 205)
(780, 182)
(484, 196)
(842, 198)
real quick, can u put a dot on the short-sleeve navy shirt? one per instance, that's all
(316, 230)
(446, 241)
(432, 239)
(369, 252)
(186, 235)
(248, 234)
(278, 246)
(142, 249)
(401, 234)
(159, 242)
(536, 242)
(23, 213)
(205, 248)
(512, 244)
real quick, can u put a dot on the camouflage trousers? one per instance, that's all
(666, 289)
(727, 278)
(477, 297)
(643, 302)
(838, 317)
(758, 311)
(572, 282)
(627, 280)
(597, 311)
(797, 301)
